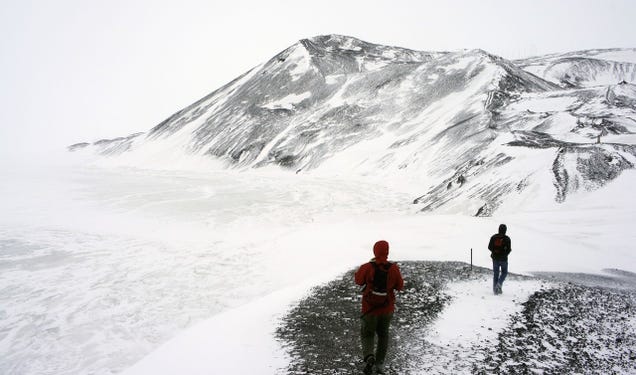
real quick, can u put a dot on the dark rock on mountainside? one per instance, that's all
(113, 146)
(582, 68)
(78, 146)
(431, 116)
(589, 166)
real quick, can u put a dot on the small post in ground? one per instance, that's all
(471, 259)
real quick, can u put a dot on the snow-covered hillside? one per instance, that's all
(222, 241)
(584, 68)
(472, 130)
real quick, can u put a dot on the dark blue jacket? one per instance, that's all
(500, 246)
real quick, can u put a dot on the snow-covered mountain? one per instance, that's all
(473, 131)
(584, 68)
(181, 271)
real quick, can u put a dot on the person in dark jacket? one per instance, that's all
(380, 279)
(499, 246)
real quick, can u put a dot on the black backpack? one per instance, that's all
(378, 295)
(499, 245)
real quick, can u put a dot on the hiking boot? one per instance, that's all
(498, 289)
(369, 362)
(379, 368)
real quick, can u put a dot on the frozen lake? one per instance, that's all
(99, 266)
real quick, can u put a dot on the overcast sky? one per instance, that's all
(81, 70)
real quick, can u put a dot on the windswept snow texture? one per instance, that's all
(105, 266)
(461, 124)
(286, 176)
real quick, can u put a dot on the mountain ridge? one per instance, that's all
(454, 121)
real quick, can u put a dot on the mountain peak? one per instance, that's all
(348, 49)
(335, 41)
(453, 119)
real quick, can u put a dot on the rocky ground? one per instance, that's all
(577, 323)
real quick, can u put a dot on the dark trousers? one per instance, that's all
(372, 325)
(496, 266)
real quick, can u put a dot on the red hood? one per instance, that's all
(381, 251)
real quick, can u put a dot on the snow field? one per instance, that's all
(108, 264)
(477, 315)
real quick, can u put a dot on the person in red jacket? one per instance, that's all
(380, 279)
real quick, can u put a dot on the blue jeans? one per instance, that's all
(497, 278)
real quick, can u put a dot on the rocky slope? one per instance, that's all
(470, 129)
(584, 68)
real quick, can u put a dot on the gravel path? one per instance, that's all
(570, 327)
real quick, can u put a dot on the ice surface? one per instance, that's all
(103, 265)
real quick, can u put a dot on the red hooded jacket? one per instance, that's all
(365, 274)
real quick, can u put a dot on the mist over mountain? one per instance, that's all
(474, 130)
